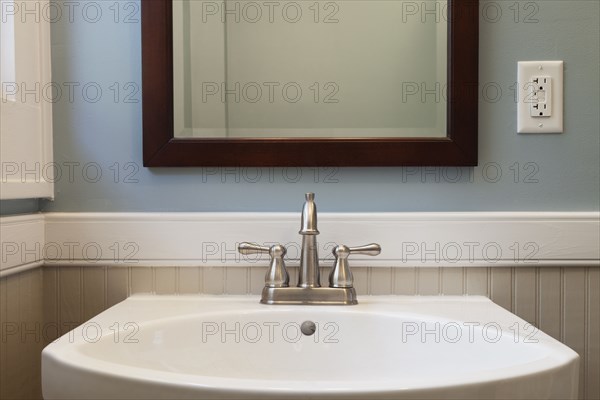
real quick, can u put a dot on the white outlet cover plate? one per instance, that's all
(525, 122)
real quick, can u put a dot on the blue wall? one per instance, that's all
(538, 172)
(11, 207)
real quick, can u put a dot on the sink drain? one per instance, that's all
(308, 328)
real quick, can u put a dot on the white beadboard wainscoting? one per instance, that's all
(557, 290)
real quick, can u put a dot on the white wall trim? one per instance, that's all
(475, 239)
(408, 239)
(22, 242)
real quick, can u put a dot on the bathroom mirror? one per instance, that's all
(319, 83)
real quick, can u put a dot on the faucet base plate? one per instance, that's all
(325, 296)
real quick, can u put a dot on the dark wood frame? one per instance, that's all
(162, 149)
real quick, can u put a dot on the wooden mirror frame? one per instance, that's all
(162, 149)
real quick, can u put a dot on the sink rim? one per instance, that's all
(257, 386)
(69, 355)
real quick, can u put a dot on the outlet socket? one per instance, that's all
(540, 100)
(540, 108)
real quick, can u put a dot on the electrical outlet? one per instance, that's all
(541, 100)
(540, 108)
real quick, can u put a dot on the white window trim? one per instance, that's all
(19, 185)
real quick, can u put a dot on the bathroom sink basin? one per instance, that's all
(388, 347)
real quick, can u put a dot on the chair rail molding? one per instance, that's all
(22, 243)
(468, 239)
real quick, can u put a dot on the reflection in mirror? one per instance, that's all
(335, 69)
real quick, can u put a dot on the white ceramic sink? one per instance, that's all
(224, 347)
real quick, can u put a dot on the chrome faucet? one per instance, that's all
(309, 290)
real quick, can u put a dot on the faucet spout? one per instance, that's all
(309, 216)
(309, 275)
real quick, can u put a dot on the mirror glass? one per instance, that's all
(307, 68)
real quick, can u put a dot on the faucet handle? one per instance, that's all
(372, 249)
(341, 276)
(252, 248)
(277, 275)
